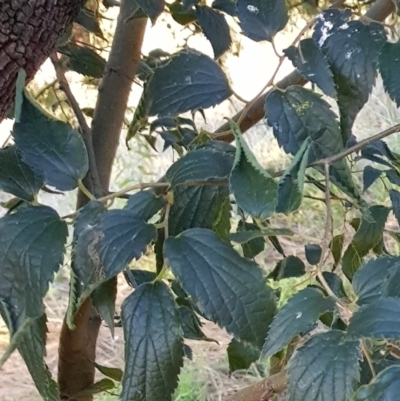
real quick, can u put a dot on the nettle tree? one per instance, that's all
(213, 211)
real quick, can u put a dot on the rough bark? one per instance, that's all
(77, 349)
(29, 30)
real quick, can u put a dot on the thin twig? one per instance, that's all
(85, 130)
(368, 358)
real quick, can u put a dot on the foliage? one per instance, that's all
(214, 196)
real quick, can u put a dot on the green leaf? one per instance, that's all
(16, 177)
(136, 277)
(389, 59)
(98, 387)
(395, 199)
(32, 245)
(187, 4)
(297, 114)
(312, 64)
(152, 8)
(292, 266)
(112, 373)
(153, 344)
(313, 253)
(228, 289)
(190, 81)
(367, 237)
(251, 248)
(227, 6)
(336, 247)
(384, 387)
(83, 60)
(103, 299)
(200, 165)
(199, 206)
(146, 203)
(377, 320)
(106, 248)
(254, 189)
(90, 21)
(324, 360)
(215, 28)
(181, 16)
(335, 284)
(297, 315)
(370, 280)
(262, 19)
(241, 356)
(52, 149)
(242, 237)
(290, 190)
(32, 347)
(191, 324)
(352, 49)
(370, 175)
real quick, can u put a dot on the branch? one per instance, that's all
(77, 350)
(95, 185)
(263, 390)
(378, 12)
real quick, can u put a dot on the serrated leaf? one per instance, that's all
(16, 177)
(242, 237)
(262, 19)
(370, 175)
(393, 176)
(90, 21)
(190, 81)
(384, 387)
(254, 189)
(312, 64)
(313, 253)
(389, 61)
(103, 299)
(31, 250)
(153, 344)
(215, 28)
(198, 206)
(377, 320)
(292, 266)
(151, 8)
(336, 247)
(112, 373)
(335, 283)
(105, 249)
(251, 248)
(200, 165)
(352, 49)
(146, 203)
(51, 148)
(32, 347)
(395, 199)
(297, 114)
(367, 237)
(241, 356)
(83, 60)
(228, 289)
(181, 16)
(323, 360)
(191, 324)
(370, 280)
(97, 388)
(297, 315)
(227, 6)
(291, 185)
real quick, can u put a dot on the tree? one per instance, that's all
(186, 217)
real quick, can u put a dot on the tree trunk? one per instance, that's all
(29, 30)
